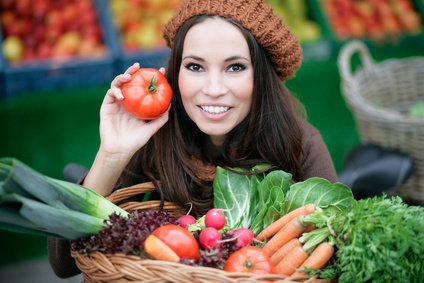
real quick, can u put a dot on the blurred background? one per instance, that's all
(59, 56)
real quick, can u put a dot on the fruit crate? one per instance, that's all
(57, 74)
(398, 36)
(153, 56)
(301, 19)
(321, 49)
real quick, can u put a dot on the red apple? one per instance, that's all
(49, 28)
(356, 27)
(411, 21)
(391, 25)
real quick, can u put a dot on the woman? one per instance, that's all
(230, 108)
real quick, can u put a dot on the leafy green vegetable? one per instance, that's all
(31, 202)
(378, 240)
(236, 191)
(320, 192)
(417, 110)
(256, 200)
(272, 190)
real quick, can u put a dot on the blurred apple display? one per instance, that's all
(45, 29)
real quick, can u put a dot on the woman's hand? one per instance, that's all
(122, 134)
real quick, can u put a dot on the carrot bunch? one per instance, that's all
(288, 246)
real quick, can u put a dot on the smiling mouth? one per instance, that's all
(215, 109)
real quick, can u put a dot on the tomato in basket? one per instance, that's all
(147, 94)
(250, 259)
(172, 242)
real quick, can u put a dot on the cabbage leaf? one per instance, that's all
(320, 192)
(236, 192)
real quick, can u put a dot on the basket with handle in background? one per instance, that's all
(99, 267)
(380, 96)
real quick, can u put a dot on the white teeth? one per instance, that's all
(215, 109)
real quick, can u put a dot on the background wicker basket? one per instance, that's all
(378, 95)
(98, 267)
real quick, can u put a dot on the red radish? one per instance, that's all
(186, 220)
(210, 238)
(243, 236)
(215, 218)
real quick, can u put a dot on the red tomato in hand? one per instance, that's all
(181, 241)
(147, 94)
(250, 259)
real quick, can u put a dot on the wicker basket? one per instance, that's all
(378, 95)
(99, 267)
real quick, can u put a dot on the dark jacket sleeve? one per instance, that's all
(316, 161)
(61, 261)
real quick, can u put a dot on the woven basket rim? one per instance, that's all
(350, 82)
(363, 105)
(212, 272)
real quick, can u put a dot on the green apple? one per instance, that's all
(13, 49)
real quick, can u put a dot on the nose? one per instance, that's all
(215, 84)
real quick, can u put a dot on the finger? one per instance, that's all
(119, 80)
(109, 97)
(115, 93)
(157, 123)
(162, 70)
(132, 69)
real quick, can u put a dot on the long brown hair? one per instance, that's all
(269, 134)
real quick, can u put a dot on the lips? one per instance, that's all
(215, 109)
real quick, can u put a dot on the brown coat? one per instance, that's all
(316, 163)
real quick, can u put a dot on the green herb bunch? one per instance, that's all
(379, 239)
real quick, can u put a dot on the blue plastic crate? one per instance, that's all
(148, 59)
(52, 74)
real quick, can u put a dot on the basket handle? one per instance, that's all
(345, 56)
(128, 192)
(143, 188)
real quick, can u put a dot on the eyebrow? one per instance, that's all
(229, 59)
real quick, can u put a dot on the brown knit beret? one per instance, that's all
(257, 17)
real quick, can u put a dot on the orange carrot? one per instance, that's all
(291, 230)
(318, 258)
(277, 225)
(288, 265)
(157, 249)
(284, 250)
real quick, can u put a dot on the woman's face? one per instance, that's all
(216, 77)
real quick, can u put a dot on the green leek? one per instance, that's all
(31, 202)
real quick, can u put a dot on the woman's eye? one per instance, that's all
(194, 67)
(236, 68)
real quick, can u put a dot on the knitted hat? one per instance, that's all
(257, 17)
